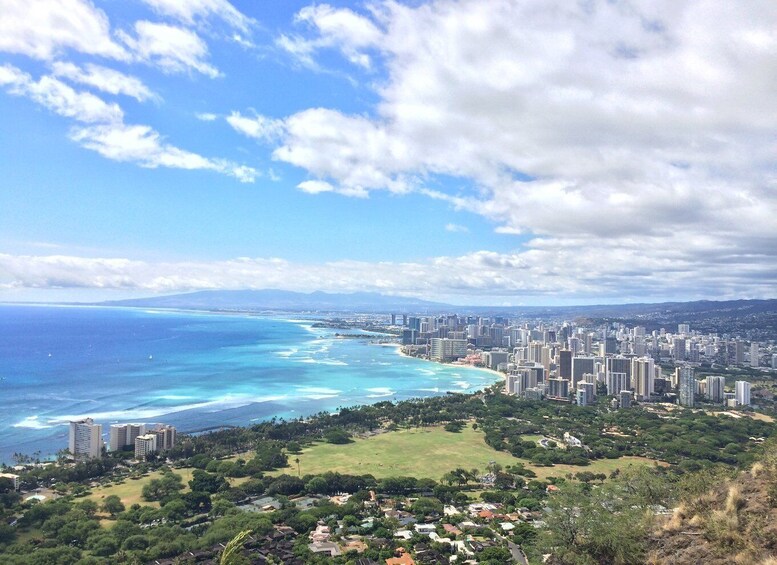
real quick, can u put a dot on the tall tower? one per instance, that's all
(687, 385)
(85, 439)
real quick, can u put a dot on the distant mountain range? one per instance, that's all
(259, 300)
(285, 300)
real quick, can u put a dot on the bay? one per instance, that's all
(192, 370)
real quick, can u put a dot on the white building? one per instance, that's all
(123, 435)
(715, 386)
(643, 377)
(743, 393)
(144, 445)
(85, 439)
(444, 349)
(11, 477)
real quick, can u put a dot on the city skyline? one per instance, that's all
(470, 152)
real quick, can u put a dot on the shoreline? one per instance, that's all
(47, 438)
(401, 353)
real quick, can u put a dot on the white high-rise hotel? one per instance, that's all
(743, 393)
(85, 439)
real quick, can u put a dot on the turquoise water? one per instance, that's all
(192, 370)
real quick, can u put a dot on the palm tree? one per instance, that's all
(296, 460)
(232, 549)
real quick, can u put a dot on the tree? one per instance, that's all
(202, 481)
(231, 553)
(337, 436)
(113, 505)
(168, 484)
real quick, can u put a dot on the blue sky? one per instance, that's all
(479, 152)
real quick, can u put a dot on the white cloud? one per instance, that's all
(542, 272)
(191, 12)
(141, 144)
(342, 28)
(256, 126)
(206, 117)
(59, 97)
(104, 79)
(45, 28)
(315, 186)
(603, 125)
(456, 228)
(108, 134)
(172, 49)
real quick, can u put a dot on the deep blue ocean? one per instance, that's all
(192, 370)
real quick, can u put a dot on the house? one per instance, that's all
(325, 547)
(402, 559)
(451, 529)
(425, 529)
(322, 533)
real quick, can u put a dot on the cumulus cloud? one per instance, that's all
(44, 29)
(192, 12)
(59, 97)
(627, 128)
(255, 126)
(141, 144)
(456, 228)
(107, 133)
(541, 271)
(172, 49)
(104, 79)
(339, 28)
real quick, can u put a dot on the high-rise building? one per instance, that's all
(85, 439)
(166, 436)
(739, 352)
(585, 394)
(512, 383)
(683, 329)
(535, 352)
(616, 382)
(715, 388)
(565, 364)
(123, 435)
(624, 399)
(145, 444)
(678, 349)
(743, 393)
(687, 386)
(558, 388)
(754, 354)
(444, 349)
(492, 359)
(581, 366)
(619, 365)
(642, 376)
(588, 346)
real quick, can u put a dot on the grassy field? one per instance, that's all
(416, 452)
(130, 490)
(428, 453)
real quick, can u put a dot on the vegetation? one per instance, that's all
(600, 503)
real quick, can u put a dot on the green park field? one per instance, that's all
(416, 452)
(428, 453)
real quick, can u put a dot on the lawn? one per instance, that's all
(605, 466)
(427, 453)
(130, 490)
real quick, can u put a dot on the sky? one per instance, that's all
(483, 152)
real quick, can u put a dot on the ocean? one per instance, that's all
(192, 370)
